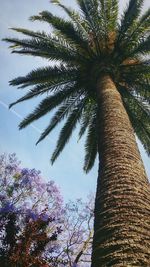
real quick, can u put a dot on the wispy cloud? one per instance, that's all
(21, 117)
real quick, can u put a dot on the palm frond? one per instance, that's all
(130, 15)
(86, 116)
(136, 77)
(48, 104)
(91, 145)
(140, 29)
(135, 69)
(37, 34)
(109, 14)
(59, 115)
(68, 128)
(41, 89)
(140, 130)
(79, 23)
(142, 90)
(88, 7)
(91, 14)
(139, 115)
(66, 28)
(46, 75)
(143, 48)
(52, 48)
(137, 80)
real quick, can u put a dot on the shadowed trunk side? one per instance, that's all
(122, 205)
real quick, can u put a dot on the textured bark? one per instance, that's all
(122, 209)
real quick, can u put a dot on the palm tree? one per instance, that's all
(100, 80)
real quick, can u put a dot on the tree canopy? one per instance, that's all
(84, 46)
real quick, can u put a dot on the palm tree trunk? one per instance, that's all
(122, 205)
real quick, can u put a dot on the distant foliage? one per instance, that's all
(76, 238)
(36, 228)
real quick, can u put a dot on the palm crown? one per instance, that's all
(84, 47)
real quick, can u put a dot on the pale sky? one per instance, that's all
(67, 171)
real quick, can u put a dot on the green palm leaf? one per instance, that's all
(139, 114)
(91, 145)
(48, 104)
(51, 48)
(66, 28)
(68, 128)
(46, 75)
(75, 17)
(130, 15)
(86, 116)
(60, 114)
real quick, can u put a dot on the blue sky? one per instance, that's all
(67, 170)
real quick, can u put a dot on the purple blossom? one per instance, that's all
(44, 217)
(25, 171)
(11, 163)
(25, 181)
(35, 172)
(31, 215)
(8, 208)
(40, 187)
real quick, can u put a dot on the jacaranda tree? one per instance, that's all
(100, 80)
(77, 233)
(36, 229)
(31, 214)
